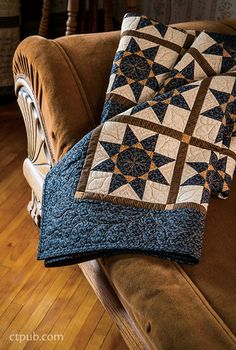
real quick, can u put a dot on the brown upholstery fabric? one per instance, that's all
(92, 61)
(178, 307)
(187, 307)
(227, 26)
(69, 78)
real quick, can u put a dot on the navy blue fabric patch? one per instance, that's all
(111, 108)
(228, 39)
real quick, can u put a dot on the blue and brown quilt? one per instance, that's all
(141, 181)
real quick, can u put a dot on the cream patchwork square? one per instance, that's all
(207, 129)
(156, 193)
(176, 117)
(168, 146)
(190, 194)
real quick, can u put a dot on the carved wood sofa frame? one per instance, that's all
(35, 167)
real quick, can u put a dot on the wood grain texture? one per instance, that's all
(33, 298)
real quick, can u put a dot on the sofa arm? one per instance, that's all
(68, 78)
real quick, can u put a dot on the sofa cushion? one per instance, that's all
(185, 307)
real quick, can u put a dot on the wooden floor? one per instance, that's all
(35, 301)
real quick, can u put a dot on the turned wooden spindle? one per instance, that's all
(108, 26)
(72, 10)
(44, 22)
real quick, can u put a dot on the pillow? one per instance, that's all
(210, 54)
(147, 52)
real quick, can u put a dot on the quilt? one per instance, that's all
(141, 181)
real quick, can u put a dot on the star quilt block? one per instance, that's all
(147, 52)
(210, 54)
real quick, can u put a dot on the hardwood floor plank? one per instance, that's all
(79, 319)
(100, 333)
(16, 223)
(34, 299)
(55, 312)
(8, 316)
(3, 270)
(69, 312)
(34, 309)
(12, 282)
(86, 331)
(9, 210)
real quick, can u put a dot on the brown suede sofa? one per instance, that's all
(157, 304)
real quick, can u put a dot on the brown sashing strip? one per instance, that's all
(183, 148)
(194, 141)
(120, 99)
(228, 153)
(201, 61)
(138, 204)
(146, 124)
(89, 160)
(165, 130)
(230, 74)
(154, 39)
(189, 40)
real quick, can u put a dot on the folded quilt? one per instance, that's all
(141, 181)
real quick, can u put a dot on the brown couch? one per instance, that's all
(157, 304)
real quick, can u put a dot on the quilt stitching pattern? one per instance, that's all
(206, 57)
(210, 55)
(145, 160)
(146, 53)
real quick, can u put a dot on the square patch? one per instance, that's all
(128, 164)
